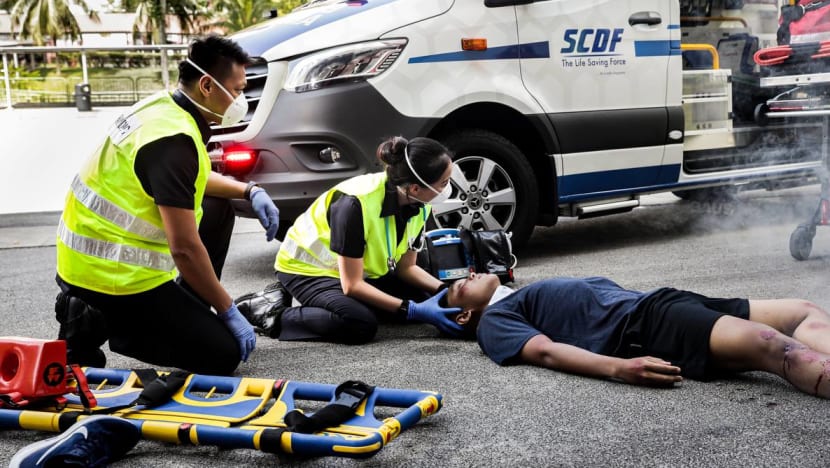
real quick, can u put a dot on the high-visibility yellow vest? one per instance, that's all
(111, 237)
(306, 249)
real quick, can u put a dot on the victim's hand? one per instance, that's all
(649, 371)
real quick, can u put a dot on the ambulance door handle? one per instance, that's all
(649, 18)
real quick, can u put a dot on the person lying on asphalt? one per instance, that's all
(595, 327)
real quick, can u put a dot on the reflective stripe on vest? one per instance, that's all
(113, 213)
(298, 253)
(316, 253)
(112, 240)
(305, 250)
(115, 252)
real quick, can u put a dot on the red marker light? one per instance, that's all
(239, 161)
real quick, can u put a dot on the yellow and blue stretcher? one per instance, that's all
(244, 412)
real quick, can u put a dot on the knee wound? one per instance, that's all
(789, 349)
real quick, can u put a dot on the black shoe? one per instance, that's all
(263, 309)
(84, 328)
(91, 442)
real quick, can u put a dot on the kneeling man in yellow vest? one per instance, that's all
(147, 224)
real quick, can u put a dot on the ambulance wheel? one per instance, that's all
(801, 242)
(493, 186)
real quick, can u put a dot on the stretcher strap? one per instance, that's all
(347, 398)
(271, 440)
(158, 389)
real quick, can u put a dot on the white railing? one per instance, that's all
(133, 91)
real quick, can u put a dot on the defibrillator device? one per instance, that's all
(451, 254)
(34, 372)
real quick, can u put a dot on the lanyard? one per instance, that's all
(390, 259)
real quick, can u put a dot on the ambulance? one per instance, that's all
(552, 108)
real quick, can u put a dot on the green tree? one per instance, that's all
(235, 15)
(48, 19)
(149, 16)
(239, 14)
(285, 6)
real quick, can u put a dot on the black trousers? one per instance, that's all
(327, 314)
(166, 326)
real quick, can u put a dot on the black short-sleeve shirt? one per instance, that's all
(345, 219)
(590, 313)
(168, 167)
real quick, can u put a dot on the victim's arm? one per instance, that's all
(646, 370)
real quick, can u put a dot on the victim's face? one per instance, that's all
(473, 292)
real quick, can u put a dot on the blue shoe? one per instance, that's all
(90, 442)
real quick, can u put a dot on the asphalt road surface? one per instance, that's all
(526, 416)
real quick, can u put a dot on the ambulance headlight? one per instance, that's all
(354, 62)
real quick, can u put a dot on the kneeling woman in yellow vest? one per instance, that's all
(350, 258)
(131, 224)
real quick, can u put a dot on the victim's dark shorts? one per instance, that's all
(676, 326)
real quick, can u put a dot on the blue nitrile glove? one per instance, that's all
(431, 312)
(266, 211)
(241, 330)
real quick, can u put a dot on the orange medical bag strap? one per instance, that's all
(85, 394)
(16, 401)
(11, 401)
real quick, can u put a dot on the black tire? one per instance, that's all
(801, 242)
(488, 163)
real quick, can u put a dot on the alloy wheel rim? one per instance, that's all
(483, 196)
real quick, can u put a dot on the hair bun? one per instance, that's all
(399, 145)
(392, 151)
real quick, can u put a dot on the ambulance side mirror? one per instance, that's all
(501, 3)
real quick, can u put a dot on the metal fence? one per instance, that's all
(54, 91)
(57, 91)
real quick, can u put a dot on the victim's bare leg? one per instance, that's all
(797, 318)
(742, 345)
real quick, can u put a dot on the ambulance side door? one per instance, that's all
(602, 83)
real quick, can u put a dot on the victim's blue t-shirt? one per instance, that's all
(586, 312)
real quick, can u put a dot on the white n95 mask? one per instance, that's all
(441, 196)
(234, 113)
